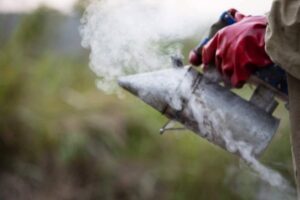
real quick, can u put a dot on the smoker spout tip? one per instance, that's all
(126, 83)
(121, 82)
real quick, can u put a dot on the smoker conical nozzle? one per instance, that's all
(160, 88)
(127, 83)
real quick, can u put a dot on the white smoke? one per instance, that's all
(245, 150)
(132, 36)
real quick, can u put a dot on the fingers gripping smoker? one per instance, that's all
(207, 108)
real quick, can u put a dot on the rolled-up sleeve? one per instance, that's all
(283, 35)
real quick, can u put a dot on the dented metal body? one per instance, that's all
(205, 107)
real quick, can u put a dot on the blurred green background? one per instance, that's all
(61, 138)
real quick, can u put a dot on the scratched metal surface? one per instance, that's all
(205, 107)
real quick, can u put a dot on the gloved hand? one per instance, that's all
(238, 50)
(227, 18)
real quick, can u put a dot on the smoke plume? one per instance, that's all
(132, 36)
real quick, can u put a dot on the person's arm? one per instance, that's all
(283, 35)
(283, 46)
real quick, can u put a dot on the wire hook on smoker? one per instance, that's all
(164, 128)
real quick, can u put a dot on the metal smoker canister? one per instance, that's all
(181, 93)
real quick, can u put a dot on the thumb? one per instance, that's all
(195, 58)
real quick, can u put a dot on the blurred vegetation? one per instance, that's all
(81, 5)
(61, 138)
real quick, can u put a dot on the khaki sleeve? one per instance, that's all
(283, 35)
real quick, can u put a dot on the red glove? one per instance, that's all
(239, 49)
(195, 56)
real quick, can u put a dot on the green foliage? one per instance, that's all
(31, 28)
